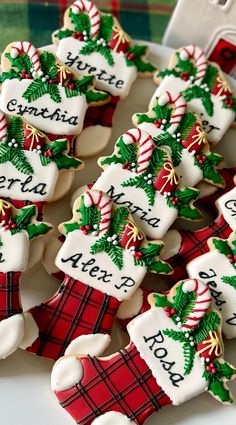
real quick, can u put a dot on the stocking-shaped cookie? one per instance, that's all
(217, 269)
(175, 353)
(173, 126)
(104, 257)
(17, 228)
(141, 177)
(30, 163)
(49, 95)
(203, 87)
(92, 42)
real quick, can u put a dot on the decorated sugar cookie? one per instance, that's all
(92, 42)
(203, 87)
(217, 269)
(30, 163)
(173, 126)
(141, 177)
(105, 257)
(17, 229)
(175, 353)
(41, 89)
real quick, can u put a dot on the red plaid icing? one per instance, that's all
(124, 384)
(195, 244)
(9, 295)
(76, 309)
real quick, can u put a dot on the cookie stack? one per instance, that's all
(58, 105)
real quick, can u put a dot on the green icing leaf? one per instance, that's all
(35, 90)
(15, 130)
(63, 34)
(160, 267)
(92, 46)
(34, 230)
(222, 246)
(81, 21)
(20, 62)
(196, 92)
(162, 301)
(210, 76)
(218, 389)
(49, 65)
(119, 220)
(53, 90)
(70, 227)
(19, 160)
(188, 351)
(225, 370)
(65, 162)
(186, 125)
(185, 209)
(89, 216)
(139, 182)
(209, 323)
(10, 75)
(96, 96)
(229, 280)
(184, 303)
(23, 219)
(106, 27)
(208, 169)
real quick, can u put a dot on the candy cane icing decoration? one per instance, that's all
(201, 304)
(194, 52)
(27, 48)
(93, 13)
(103, 203)
(3, 126)
(179, 111)
(146, 146)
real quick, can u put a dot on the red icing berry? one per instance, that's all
(88, 227)
(14, 226)
(208, 368)
(173, 311)
(28, 76)
(72, 86)
(185, 75)
(167, 308)
(214, 371)
(126, 165)
(52, 82)
(7, 227)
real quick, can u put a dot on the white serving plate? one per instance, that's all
(25, 394)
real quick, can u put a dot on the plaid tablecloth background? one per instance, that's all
(35, 20)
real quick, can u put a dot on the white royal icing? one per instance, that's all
(67, 372)
(221, 119)
(227, 205)
(14, 251)
(164, 356)
(98, 270)
(210, 268)
(132, 307)
(11, 334)
(93, 64)
(154, 220)
(114, 418)
(71, 110)
(31, 331)
(92, 344)
(35, 187)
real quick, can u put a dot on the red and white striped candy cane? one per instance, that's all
(146, 146)
(3, 126)
(103, 203)
(27, 48)
(201, 304)
(194, 52)
(93, 13)
(180, 107)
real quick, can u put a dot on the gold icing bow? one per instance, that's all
(212, 344)
(133, 233)
(223, 85)
(63, 71)
(4, 205)
(120, 37)
(35, 134)
(171, 177)
(199, 138)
